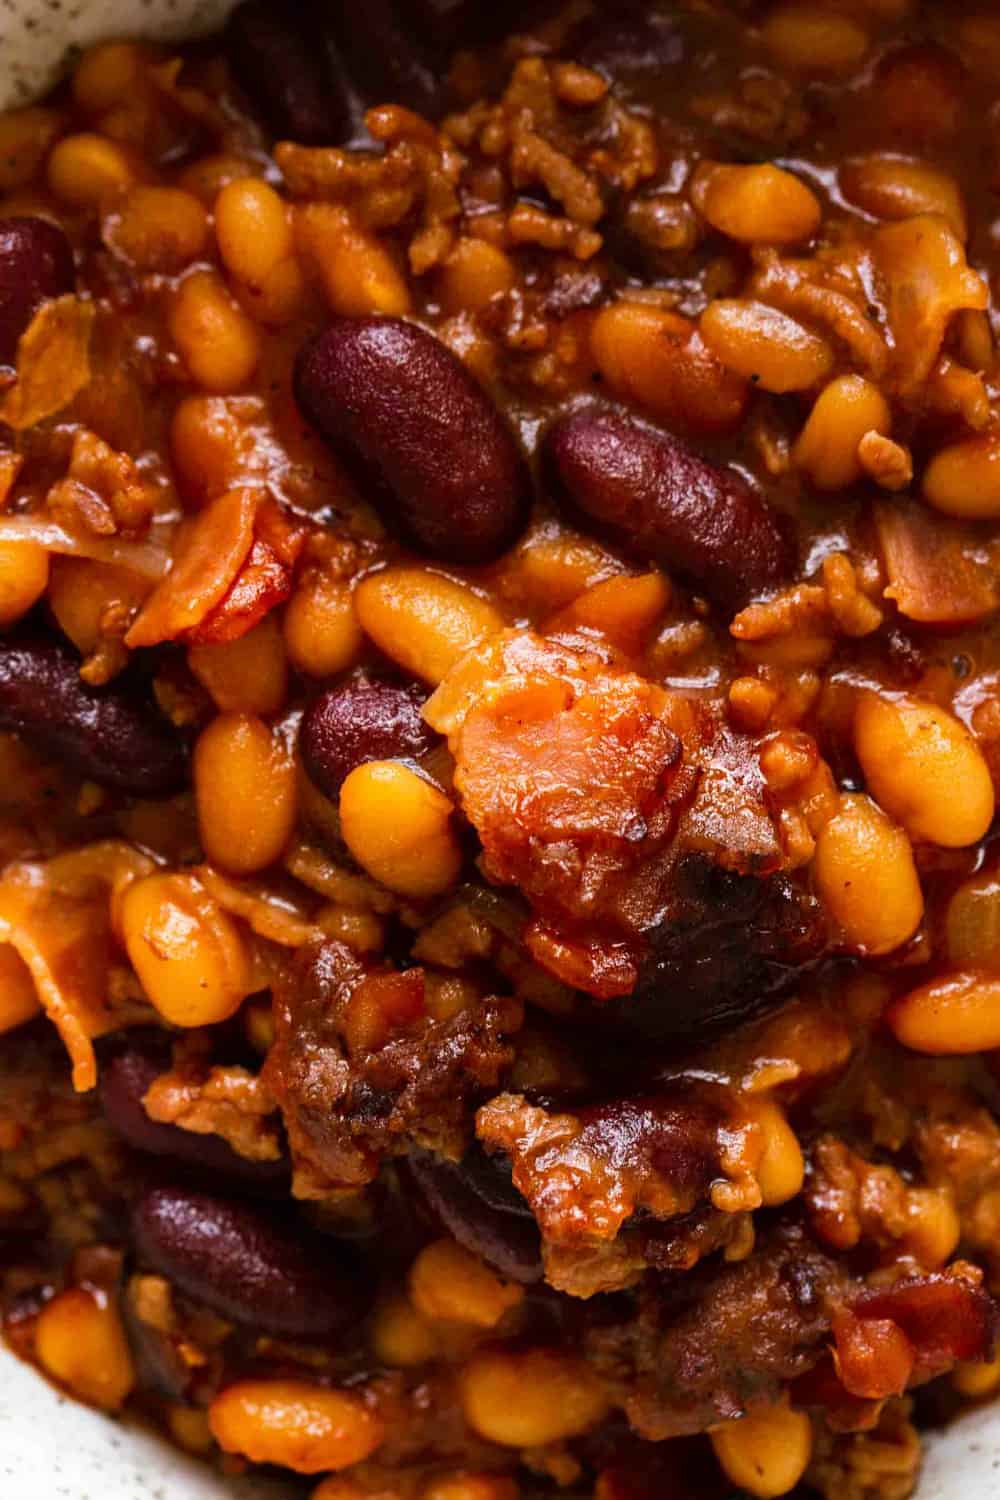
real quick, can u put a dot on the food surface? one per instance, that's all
(499, 738)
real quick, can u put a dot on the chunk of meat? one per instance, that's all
(229, 1103)
(720, 1341)
(940, 572)
(596, 1179)
(349, 1100)
(568, 768)
(591, 789)
(585, 1174)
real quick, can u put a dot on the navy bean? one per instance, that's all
(480, 1208)
(420, 437)
(108, 735)
(243, 1265)
(36, 263)
(358, 721)
(650, 494)
(127, 1073)
(282, 70)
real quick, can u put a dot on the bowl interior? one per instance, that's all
(50, 1446)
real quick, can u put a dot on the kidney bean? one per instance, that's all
(736, 944)
(107, 735)
(36, 263)
(390, 60)
(277, 62)
(630, 38)
(243, 1265)
(454, 23)
(358, 721)
(126, 1074)
(418, 434)
(448, 20)
(482, 1211)
(659, 500)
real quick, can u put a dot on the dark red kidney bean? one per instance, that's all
(479, 1208)
(127, 1072)
(391, 62)
(361, 720)
(245, 1266)
(630, 38)
(733, 947)
(418, 434)
(453, 23)
(446, 20)
(278, 64)
(656, 498)
(36, 263)
(106, 734)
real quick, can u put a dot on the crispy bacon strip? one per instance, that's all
(56, 914)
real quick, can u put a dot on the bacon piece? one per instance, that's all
(873, 1357)
(235, 564)
(946, 1315)
(53, 362)
(263, 581)
(570, 769)
(360, 1072)
(56, 914)
(939, 572)
(211, 554)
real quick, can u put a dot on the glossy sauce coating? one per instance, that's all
(658, 499)
(498, 678)
(419, 436)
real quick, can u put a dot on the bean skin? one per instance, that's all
(279, 66)
(418, 435)
(36, 263)
(658, 499)
(358, 721)
(482, 1211)
(385, 56)
(629, 38)
(736, 944)
(243, 1265)
(127, 1073)
(463, 23)
(109, 736)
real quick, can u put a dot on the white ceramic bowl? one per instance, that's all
(51, 1449)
